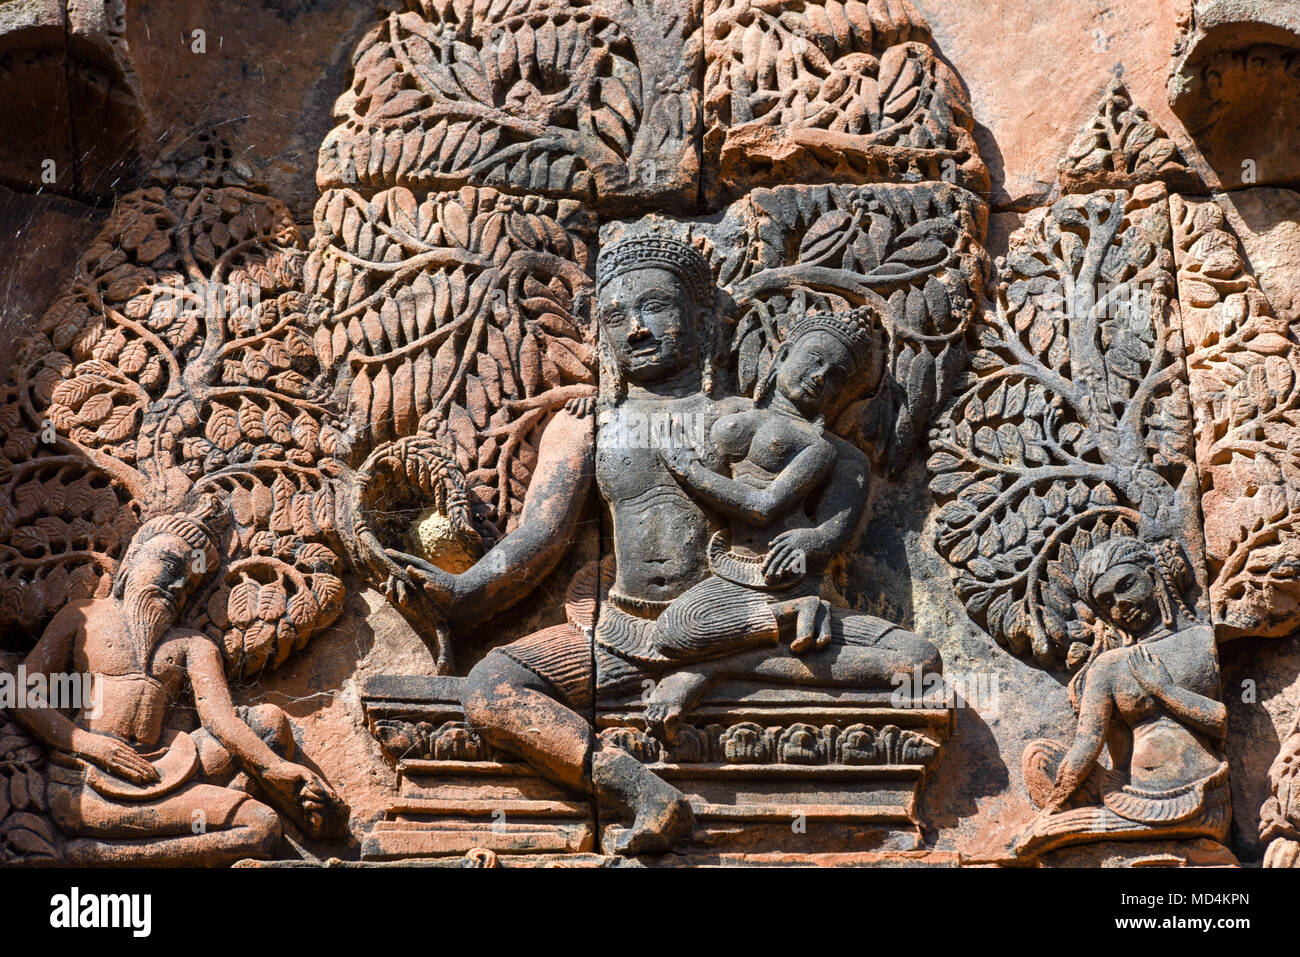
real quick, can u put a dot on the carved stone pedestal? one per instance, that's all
(800, 774)
(1201, 852)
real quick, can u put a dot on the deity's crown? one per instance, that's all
(658, 252)
(853, 328)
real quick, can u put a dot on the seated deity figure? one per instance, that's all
(123, 786)
(535, 697)
(1149, 694)
(780, 456)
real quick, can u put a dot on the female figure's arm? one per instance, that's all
(839, 511)
(1197, 711)
(1089, 737)
(736, 500)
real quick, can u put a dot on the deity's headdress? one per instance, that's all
(659, 252)
(689, 266)
(857, 330)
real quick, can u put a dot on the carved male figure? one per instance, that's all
(535, 697)
(1151, 698)
(123, 786)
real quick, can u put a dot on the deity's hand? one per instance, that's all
(1149, 671)
(680, 459)
(119, 759)
(787, 557)
(436, 585)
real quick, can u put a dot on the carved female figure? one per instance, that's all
(780, 456)
(1149, 693)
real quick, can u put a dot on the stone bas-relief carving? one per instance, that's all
(589, 100)
(123, 786)
(645, 415)
(830, 92)
(529, 698)
(1164, 733)
(1243, 359)
(1073, 423)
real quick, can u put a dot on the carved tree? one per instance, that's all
(573, 99)
(912, 252)
(1120, 148)
(458, 317)
(178, 364)
(1244, 364)
(831, 90)
(1074, 423)
(27, 836)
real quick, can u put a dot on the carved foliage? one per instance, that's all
(575, 99)
(1121, 147)
(1074, 422)
(1244, 367)
(26, 834)
(180, 362)
(913, 252)
(830, 89)
(750, 743)
(423, 740)
(457, 316)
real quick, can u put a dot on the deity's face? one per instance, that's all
(814, 371)
(1126, 594)
(648, 322)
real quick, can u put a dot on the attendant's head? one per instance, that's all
(1132, 585)
(163, 566)
(824, 360)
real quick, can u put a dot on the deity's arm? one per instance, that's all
(53, 654)
(736, 500)
(216, 709)
(554, 501)
(1089, 737)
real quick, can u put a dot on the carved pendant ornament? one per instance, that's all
(635, 451)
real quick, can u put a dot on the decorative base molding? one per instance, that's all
(793, 772)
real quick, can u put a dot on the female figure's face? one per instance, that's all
(647, 320)
(1126, 594)
(814, 372)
